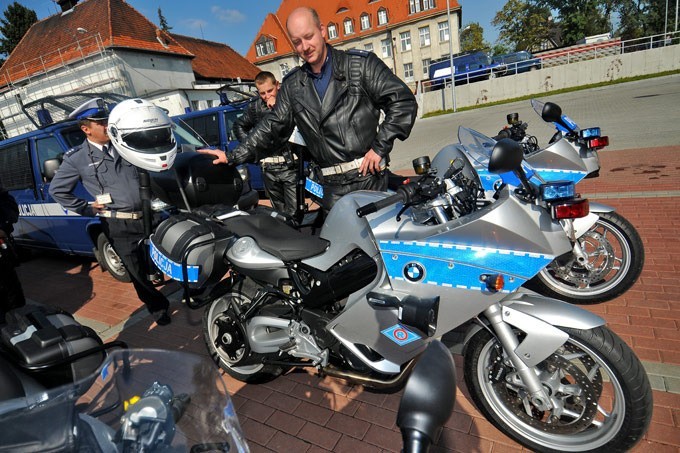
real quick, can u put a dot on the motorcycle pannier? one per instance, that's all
(41, 340)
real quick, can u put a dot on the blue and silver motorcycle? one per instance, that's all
(390, 272)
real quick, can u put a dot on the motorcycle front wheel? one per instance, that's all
(601, 397)
(226, 339)
(615, 257)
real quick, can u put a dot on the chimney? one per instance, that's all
(67, 4)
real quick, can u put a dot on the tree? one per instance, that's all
(16, 22)
(161, 20)
(639, 18)
(580, 18)
(472, 38)
(523, 25)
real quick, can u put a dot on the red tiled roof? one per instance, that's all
(216, 60)
(51, 42)
(274, 25)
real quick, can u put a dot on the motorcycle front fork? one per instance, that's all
(539, 397)
(580, 255)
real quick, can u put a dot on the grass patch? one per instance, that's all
(551, 93)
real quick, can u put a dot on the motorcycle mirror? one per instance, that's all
(428, 399)
(552, 113)
(512, 118)
(506, 156)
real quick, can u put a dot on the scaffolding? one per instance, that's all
(82, 66)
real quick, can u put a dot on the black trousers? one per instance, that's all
(125, 236)
(280, 185)
(335, 186)
(11, 293)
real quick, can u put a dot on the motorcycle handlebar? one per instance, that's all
(381, 204)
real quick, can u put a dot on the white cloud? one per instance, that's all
(230, 16)
(195, 24)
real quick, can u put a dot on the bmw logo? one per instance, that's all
(414, 272)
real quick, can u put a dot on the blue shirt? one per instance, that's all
(323, 79)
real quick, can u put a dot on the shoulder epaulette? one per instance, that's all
(361, 53)
(292, 71)
(72, 151)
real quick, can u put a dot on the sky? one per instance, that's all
(236, 22)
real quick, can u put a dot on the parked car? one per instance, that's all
(468, 68)
(515, 63)
(214, 125)
(28, 163)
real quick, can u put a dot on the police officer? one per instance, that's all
(11, 294)
(279, 170)
(335, 99)
(114, 182)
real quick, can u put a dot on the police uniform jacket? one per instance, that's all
(100, 174)
(253, 114)
(345, 125)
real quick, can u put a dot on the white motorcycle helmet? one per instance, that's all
(142, 134)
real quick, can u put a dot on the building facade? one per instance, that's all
(406, 34)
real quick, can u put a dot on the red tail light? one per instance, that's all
(571, 209)
(598, 142)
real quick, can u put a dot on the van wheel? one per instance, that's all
(110, 260)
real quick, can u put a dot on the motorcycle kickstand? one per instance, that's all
(508, 339)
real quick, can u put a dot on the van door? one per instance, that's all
(69, 230)
(18, 177)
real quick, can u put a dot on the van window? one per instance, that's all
(73, 137)
(48, 148)
(15, 167)
(229, 120)
(207, 127)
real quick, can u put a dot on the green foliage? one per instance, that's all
(472, 38)
(638, 18)
(15, 23)
(162, 21)
(523, 25)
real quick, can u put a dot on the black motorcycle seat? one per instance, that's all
(276, 237)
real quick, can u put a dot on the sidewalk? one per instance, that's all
(302, 412)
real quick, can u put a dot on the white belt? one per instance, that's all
(342, 168)
(120, 215)
(274, 160)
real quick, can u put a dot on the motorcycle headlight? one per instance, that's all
(558, 190)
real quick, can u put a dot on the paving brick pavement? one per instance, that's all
(302, 412)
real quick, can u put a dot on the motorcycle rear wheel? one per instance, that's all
(600, 392)
(616, 256)
(225, 337)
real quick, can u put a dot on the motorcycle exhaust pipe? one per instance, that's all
(367, 381)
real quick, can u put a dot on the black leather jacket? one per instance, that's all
(345, 126)
(252, 116)
(9, 211)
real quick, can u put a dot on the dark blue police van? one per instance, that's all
(28, 163)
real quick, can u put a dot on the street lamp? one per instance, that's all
(453, 82)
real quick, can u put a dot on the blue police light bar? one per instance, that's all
(558, 190)
(590, 132)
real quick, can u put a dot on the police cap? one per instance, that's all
(93, 110)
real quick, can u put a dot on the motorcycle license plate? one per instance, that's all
(314, 188)
(171, 268)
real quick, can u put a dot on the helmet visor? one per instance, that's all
(150, 141)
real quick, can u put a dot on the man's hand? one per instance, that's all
(220, 156)
(271, 102)
(371, 163)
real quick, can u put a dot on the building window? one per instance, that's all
(365, 21)
(368, 47)
(210, 103)
(424, 34)
(264, 46)
(332, 31)
(426, 66)
(443, 31)
(405, 38)
(382, 16)
(408, 72)
(416, 6)
(285, 69)
(349, 26)
(386, 46)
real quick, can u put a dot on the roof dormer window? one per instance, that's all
(264, 46)
(332, 31)
(349, 26)
(382, 16)
(365, 21)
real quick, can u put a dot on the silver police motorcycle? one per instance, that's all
(389, 273)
